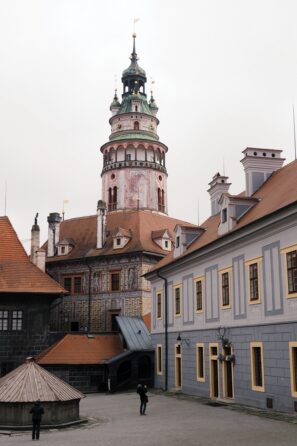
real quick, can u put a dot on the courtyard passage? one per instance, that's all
(170, 421)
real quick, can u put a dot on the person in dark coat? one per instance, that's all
(142, 391)
(37, 411)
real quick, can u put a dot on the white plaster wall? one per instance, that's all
(255, 314)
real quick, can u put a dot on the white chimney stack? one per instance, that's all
(101, 224)
(258, 165)
(54, 220)
(218, 186)
(35, 240)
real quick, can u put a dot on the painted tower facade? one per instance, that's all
(134, 172)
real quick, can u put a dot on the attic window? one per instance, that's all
(177, 241)
(273, 155)
(166, 243)
(255, 153)
(63, 250)
(224, 215)
(118, 241)
(264, 154)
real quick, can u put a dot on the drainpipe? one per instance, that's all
(89, 297)
(166, 329)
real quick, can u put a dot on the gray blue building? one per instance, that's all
(224, 301)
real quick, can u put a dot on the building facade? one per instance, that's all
(225, 304)
(101, 259)
(26, 295)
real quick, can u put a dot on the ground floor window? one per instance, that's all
(200, 362)
(257, 366)
(293, 367)
(159, 359)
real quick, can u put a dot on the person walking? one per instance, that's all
(142, 391)
(37, 411)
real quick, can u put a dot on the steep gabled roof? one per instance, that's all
(139, 224)
(82, 349)
(278, 191)
(17, 273)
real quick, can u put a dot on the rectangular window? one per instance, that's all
(198, 290)
(67, 284)
(257, 366)
(292, 271)
(159, 360)
(115, 281)
(177, 242)
(159, 305)
(77, 285)
(225, 289)
(293, 367)
(73, 284)
(3, 320)
(224, 215)
(254, 282)
(253, 273)
(200, 362)
(177, 301)
(17, 320)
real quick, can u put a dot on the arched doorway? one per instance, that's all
(124, 372)
(144, 367)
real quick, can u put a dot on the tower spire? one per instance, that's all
(134, 54)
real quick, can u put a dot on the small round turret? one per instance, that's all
(115, 105)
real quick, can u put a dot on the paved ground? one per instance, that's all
(169, 421)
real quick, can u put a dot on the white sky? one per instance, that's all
(226, 78)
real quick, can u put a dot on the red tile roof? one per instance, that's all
(147, 319)
(82, 349)
(141, 224)
(278, 191)
(17, 273)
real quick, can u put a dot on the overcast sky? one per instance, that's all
(225, 76)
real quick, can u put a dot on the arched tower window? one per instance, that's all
(159, 200)
(115, 197)
(163, 200)
(112, 198)
(136, 125)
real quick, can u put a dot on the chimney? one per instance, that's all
(40, 259)
(258, 165)
(35, 240)
(54, 220)
(218, 186)
(101, 224)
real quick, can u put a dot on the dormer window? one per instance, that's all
(121, 237)
(177, 242)
(224, 215)
(166, 244)
(65, 247)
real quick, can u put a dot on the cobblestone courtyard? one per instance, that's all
(171, 421)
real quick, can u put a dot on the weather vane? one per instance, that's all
(135, 20)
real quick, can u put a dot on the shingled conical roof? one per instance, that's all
(30, 382)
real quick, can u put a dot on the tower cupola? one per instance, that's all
(134, 174)
(115, 105)
(134, 77)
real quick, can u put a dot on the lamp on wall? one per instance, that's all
(181, 340)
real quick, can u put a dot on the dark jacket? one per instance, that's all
(37, 411)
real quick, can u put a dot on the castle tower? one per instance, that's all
(134, 172)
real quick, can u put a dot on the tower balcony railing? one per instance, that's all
(135, 163)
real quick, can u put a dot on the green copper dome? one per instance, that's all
(115, 103)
